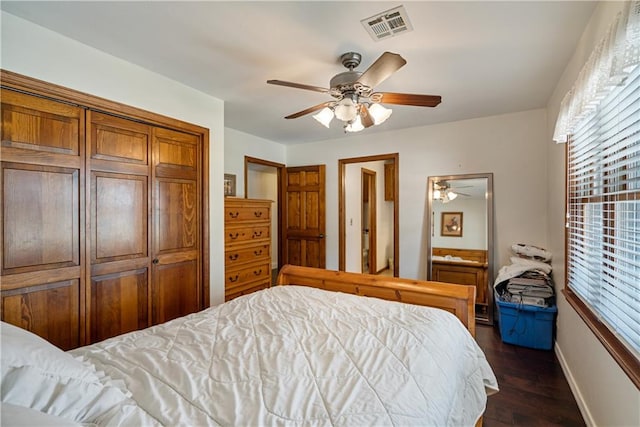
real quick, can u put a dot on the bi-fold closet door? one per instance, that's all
(102, 221)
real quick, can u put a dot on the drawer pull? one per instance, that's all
(257, 253)
(257, 234)
(257, 273)
(233, 236)
(234, 215)
(257, 214)
(233, 257)
(233, 279)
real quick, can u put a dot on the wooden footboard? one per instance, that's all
(458, 299)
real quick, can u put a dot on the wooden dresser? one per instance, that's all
(247, 239)
(464, 273)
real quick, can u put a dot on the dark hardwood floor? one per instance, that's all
(533, 389)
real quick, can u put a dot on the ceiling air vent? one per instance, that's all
(387, 24)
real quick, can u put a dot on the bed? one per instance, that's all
(316, 350)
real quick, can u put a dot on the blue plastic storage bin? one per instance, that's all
(526, 325)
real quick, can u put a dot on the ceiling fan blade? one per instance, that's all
(309, 110)
(408, 99)
(365, 117)
(297, 86)
(387, 64)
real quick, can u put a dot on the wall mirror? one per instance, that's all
(460, 238)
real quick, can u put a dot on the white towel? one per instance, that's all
(531, 251)
(533, 264)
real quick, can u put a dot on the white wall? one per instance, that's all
(34, 51)
(604, 393)
(512, 146)
(239, 144)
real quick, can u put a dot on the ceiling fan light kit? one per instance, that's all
(379, 113)
(354, 126)
(324, 116)
(355, 104)
(444, 193)
(346, 109)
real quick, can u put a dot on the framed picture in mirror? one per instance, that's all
(229, 185)
(451, 224)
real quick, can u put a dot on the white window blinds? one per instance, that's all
(603, 212)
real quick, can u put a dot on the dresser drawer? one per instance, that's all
(248, 254)
(245, 289)
(246, 213)
(251, 273)
(246, 233)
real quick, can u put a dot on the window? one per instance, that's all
(603, 222)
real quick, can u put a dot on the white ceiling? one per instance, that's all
(483, 58)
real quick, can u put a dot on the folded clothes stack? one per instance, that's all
(527, 280)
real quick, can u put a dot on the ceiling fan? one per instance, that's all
(355, 103)
(445, 193)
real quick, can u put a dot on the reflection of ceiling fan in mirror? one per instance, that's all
(355, 103)
(443, 191)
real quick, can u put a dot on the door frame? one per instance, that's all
(342, 163)
(281, 170)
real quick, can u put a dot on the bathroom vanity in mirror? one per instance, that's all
(460, 241)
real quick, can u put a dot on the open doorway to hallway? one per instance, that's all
(263, 181)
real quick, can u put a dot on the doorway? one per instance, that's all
(263, 179)
(349, 193)
(298, 218)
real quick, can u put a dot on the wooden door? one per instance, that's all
(177, 224)
(118, 196)
(305, 216)
(42, 244)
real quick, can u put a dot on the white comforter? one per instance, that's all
(294, 355)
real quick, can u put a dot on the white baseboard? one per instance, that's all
(584, 410)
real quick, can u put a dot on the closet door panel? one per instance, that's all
(119, 202)
(177, 284)
(40, 217)
(33, 123)
(118, 140)
(175, 290)
(51, 311)
(119, 303)
(178, 215)
(118, 217)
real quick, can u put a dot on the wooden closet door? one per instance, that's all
(42, 208)
(119, 153)
(177, 228)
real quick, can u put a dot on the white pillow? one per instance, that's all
(23, 348)
(19, 416)
(40, 376)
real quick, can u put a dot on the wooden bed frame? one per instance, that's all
(458, 299)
